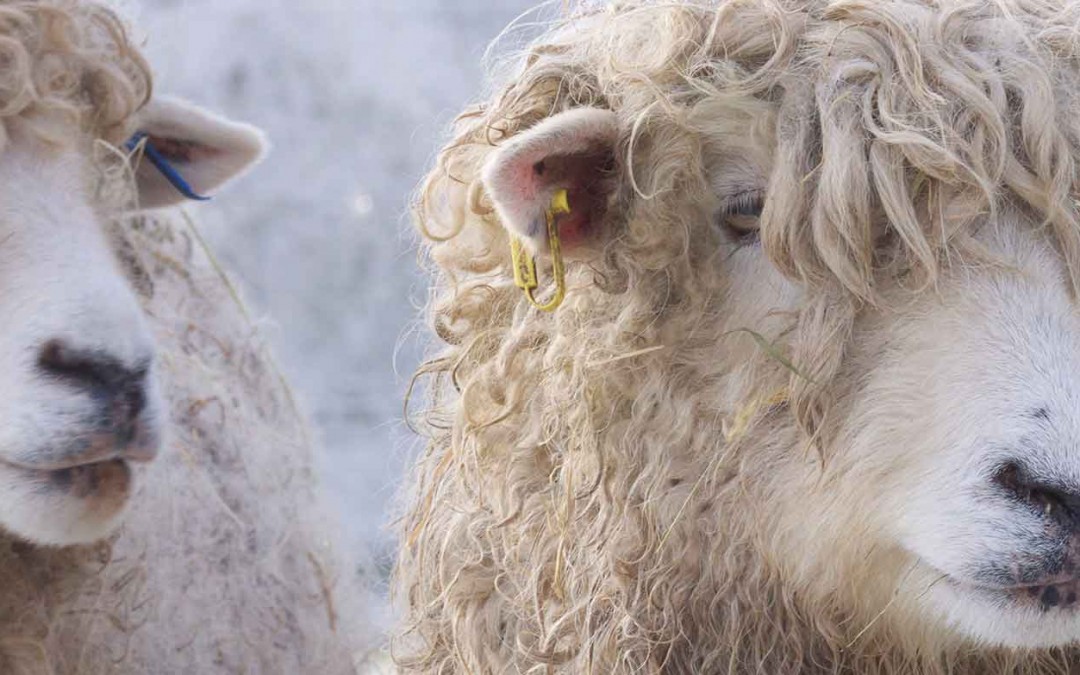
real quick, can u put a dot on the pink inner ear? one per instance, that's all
(572, 150)
(574, 226)
(181, 151)
(584, 175)
(526, 181)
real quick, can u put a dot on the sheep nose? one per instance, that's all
(1054, 501)
(120, 388)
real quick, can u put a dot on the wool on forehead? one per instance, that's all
(69, 67)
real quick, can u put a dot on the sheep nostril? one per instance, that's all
(123, 387)
(1050, 500)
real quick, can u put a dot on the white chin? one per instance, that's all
(1007, 618)
(63, 508)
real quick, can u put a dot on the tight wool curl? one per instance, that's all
(68, 64)
(582, 503)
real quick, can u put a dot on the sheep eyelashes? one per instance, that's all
(525, 265)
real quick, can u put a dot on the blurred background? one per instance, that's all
(356, 96)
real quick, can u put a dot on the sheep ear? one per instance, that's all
(573, 150)
(203, 149)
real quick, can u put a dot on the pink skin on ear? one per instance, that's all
(206, 149)
(181, 151)
(570, 150)
(574, 227)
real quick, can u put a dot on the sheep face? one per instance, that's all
(81, 395)
(955, 444)
(945, 482)
(82, 403)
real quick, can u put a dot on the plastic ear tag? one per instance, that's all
(151, 153)
(525, 265)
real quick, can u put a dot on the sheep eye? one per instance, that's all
(740, 215)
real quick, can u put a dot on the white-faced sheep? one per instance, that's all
(812, 402)
(219, 563)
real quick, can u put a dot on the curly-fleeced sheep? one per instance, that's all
(811, 403)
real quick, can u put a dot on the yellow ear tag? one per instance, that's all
(525, 266)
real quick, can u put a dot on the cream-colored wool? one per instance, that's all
(638, 482)
(69, 65)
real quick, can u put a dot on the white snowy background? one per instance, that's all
(355, 96)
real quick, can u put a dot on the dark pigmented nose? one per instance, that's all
(121, 388)
(1054, 501)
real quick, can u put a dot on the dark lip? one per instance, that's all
(1060, 594)
(89, 480)
(102, 449)
(77, 463)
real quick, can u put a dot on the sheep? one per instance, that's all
(157, 499)
(809, 404)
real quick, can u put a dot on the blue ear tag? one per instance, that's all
(161, 164)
